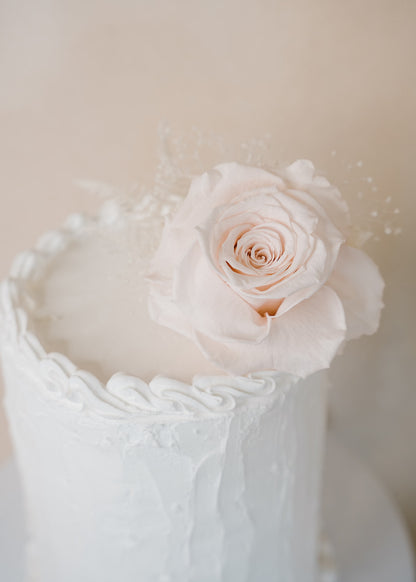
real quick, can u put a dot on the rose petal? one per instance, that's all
(295, 220)
(299, 281)
(301, 342)
(300, 173)
(218, 187)
(239, 178)
(199, 201)
(174, 243)
(212, 306)
(357, 281)
(163, 310)
(335, 206)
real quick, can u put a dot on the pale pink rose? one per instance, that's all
(254, 267)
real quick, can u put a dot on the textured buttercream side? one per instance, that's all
(229, 496)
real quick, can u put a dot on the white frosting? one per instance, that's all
(162, 479)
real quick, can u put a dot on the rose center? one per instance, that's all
(259, 248)
(260, 256)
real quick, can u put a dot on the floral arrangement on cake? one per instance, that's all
(256, 267)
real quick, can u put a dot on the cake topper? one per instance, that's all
(256, 268)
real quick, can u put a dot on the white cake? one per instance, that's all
(140, 459)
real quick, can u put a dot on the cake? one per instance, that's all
(165, 378)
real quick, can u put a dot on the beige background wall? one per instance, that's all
(84, 84)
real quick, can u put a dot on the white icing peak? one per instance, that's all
(123, 394)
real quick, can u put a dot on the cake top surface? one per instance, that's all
(91, 305)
